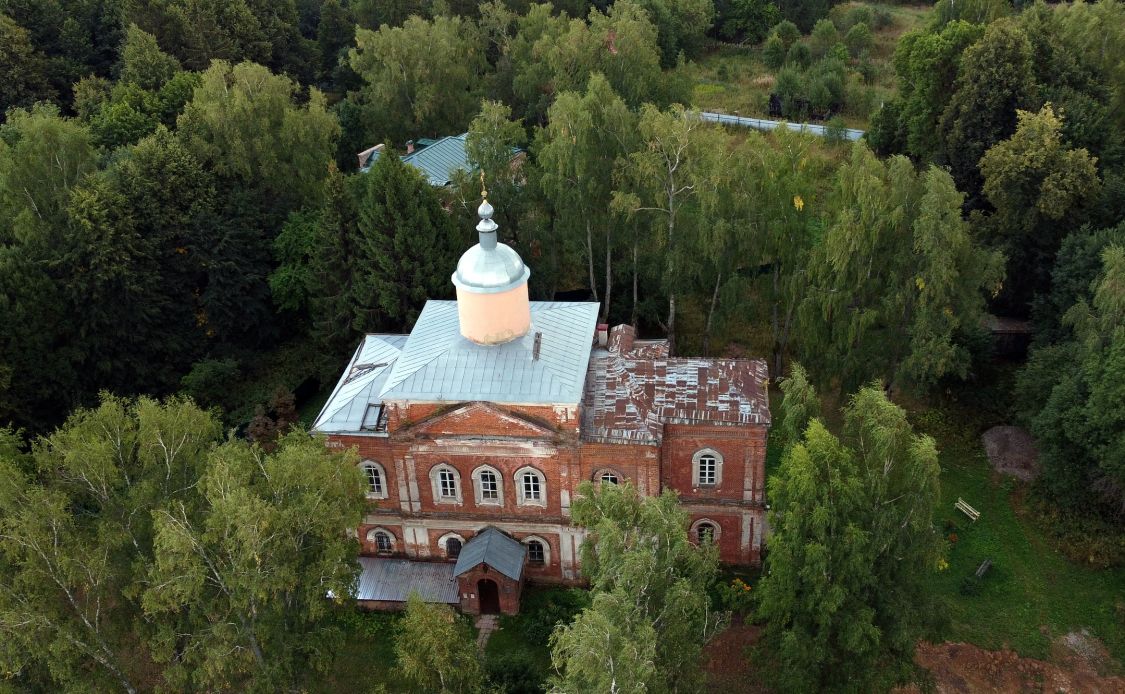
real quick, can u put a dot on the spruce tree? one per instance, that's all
(406, 246)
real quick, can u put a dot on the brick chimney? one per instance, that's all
(410, 146)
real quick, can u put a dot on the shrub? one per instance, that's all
(208, 382)
(859, 40)
(790, 88)
(858, 14)
(787, 31)
(824, 36)
(882, 18)
(868, 71)
(748, 20)
(836, 131)
(970, 586)
(551, 608)
(773, 53)
(736, 596)
(799, 55)
(513, 673)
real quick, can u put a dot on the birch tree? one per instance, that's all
(898, 280)
(240, 587)
(661, 186)
(852, 542)
(650, 616)
(587, 139)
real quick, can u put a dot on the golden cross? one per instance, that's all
(483, 191)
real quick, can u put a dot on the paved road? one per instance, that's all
(762, 124)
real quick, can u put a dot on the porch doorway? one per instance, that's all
(489, 596)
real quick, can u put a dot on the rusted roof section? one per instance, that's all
(633, 388)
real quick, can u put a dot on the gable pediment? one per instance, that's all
(481, 419)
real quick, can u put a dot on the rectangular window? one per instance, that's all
(374, 418)
(374, 480)
(447, 484)
(707, 471)
(532, 491)
(489, 490)
(535, 553)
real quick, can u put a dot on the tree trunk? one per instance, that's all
(775, 320)
(672, 324)
(608, 274)
(590, 256)
(710, 317)
(636, 242)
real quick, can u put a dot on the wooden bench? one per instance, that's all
(984, 566)
(966, 509)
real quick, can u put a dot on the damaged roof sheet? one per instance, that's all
(360, 384)
(633, 389)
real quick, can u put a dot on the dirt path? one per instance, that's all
(1080, 665)
(964, 668)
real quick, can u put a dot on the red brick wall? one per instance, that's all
(508, 589)
(401, 415)
(729, 538)
(740, 447)
(638, 464)
(369, 548)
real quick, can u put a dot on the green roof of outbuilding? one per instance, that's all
(437, 161)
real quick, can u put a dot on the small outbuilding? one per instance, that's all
(386, 584)
(490, 574)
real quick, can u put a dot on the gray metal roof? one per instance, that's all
(394, 580)
(492, 547)
(360, 384)
(437, 364)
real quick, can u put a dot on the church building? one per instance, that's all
(482, 422)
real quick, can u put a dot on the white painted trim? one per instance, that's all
(478, 489)
(546, 550)
(521, 500)
(718, 468)
(597, 476)
(716, 534)
(445, 538)
(373, 532)
(384, 482)
(435, 486)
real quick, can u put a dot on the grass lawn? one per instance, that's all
(733, 79)
(1032, 594)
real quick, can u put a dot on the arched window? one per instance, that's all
(452, 548)
(607, 476)
(445, 482)
(705, 531)
(376, 479)
(538, 551)
(383, 540)
(488, 485)
(706, 468)
(532, 487)
(451, 544)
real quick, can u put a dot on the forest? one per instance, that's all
(188, 253)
